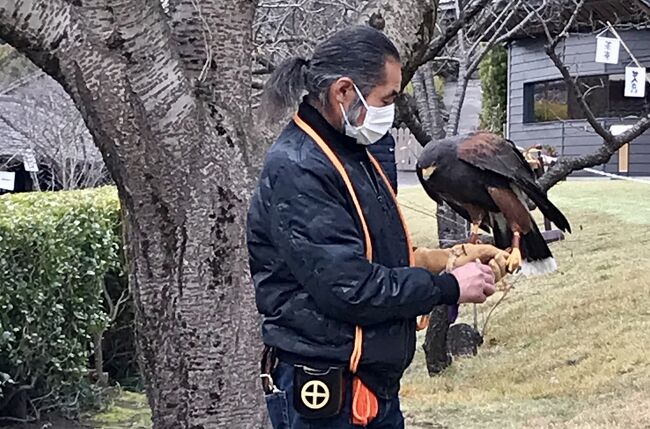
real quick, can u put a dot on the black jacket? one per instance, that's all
(384, 151)
(313, 283)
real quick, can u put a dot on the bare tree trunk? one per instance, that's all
(175, 154)
(438, 111)
(459, 99)
(429, 103)
(407, 114)
(422, 100)
(451, 228)
(435, 343)
(98, 355)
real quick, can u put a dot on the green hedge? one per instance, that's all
(56, 249)
(494, 85)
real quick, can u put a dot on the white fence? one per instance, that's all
(407, 149)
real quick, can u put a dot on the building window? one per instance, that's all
(620, 106)
(551, 101)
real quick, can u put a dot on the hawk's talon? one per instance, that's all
(514, 261)
(474, 236)
(474, 239)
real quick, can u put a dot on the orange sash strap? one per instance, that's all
(364, 402)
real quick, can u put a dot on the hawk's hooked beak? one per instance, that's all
(427, 172)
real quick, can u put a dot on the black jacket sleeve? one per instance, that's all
(315, 233)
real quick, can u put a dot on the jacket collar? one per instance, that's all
(338, 141)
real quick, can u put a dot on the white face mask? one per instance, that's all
(376, 124)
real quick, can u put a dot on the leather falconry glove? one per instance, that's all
(494, 257)
(439, 260)
(434, 260)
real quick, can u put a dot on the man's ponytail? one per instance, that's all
(284, 88)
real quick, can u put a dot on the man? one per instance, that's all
(329, 253)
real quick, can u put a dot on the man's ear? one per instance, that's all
(342, 91)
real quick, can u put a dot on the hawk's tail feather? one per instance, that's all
(547, 207)
(534, 246)
(537, 257)
(536, 268)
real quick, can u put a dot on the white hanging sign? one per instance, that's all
(29, 160)
(617, 130)
(607, 49)
(7, 180)
(635, 82)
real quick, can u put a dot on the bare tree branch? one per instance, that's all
(114, 308)
(424, 110)
(279, 30)
(611, 144)
(569, 24)
(479, 16)
(494, 19)
(502, 34)
(21, 29)
(439, 43)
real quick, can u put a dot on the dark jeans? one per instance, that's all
(283, 415)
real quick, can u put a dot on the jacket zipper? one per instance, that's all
(375, 185)
(372, 182)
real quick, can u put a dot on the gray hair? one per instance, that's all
(359, 52)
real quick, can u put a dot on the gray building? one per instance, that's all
(542, 111)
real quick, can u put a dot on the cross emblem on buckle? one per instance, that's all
(315, 394)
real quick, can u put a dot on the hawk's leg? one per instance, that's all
(474, 237)
(476, 214)
(514, 261)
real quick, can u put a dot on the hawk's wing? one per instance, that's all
(493, 153)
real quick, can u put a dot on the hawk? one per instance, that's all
(486, 180)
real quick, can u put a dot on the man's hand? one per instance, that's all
(487, 254)
(475, 281)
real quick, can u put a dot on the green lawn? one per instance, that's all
(569, 350)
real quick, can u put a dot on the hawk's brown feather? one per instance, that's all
(513, 209)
